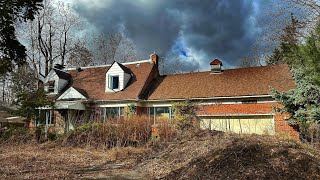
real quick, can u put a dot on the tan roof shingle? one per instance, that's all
(93, 80)
(232, 82)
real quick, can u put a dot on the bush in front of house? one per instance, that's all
(186, 114)
(132, 131)
(15, 134)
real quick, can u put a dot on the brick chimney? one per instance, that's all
(216, 66)
(154, 58)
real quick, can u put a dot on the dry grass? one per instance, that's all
(49, 161)
(193, 154)
(214, 155)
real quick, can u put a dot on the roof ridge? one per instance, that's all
(241, 68)
(124, 68)
(106, 65)
(61, 70)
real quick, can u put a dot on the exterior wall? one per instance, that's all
(71, 93)
(126, 79)
(234, 107)
(59, 122)
(280, 125)
(61, 84)
(52, 76)
(240, 124)
(283, 128)
(142, 111)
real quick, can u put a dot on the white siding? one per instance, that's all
(52, 76)
(126, 79)
(71, 93)
(116, 70)
(61, 84)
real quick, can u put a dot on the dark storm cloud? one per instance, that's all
(212, 28)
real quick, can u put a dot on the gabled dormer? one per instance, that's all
(55, 81)
(117, 77)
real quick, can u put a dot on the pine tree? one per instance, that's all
(303, 103)
(288, 43)
(11, 50)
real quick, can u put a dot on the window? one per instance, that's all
(114, 82)
(161, 112)
(50, 86)
(45, 116)
(112, 113)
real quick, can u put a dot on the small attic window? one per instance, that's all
(50, 86)
(114, 82)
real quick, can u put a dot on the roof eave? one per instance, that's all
(211, 98)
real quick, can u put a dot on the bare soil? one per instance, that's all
(193, 154)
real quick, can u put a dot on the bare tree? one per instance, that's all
(6, 93)
(50, 37)
(250, 61)
(113, 46)
(23, 80)
(284, 21)
(80, 55)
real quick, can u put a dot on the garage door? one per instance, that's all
(240, 124)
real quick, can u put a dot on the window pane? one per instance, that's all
(102, 114)
(151, 111)
(122, 111)
(162, 112)
(50, 86)
(112, 112)
(115, 82)
(52, 117)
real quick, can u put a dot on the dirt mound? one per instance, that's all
(209, 155)
(194, 154)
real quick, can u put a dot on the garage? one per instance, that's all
(263, 124)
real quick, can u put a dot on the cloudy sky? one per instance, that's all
(186, 32)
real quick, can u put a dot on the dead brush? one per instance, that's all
(167, 129)
(134, 131)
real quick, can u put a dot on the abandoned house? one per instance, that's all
(236, 100)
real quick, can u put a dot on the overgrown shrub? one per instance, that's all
(166, 129)
(15, 134)
(310, 133)
(133, 131)
(186, 114)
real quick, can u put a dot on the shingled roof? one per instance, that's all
(62, 74)
(93, 80)
(233, 82)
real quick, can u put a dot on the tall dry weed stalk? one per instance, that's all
(134, 131)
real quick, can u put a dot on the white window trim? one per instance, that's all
(104, 113)
(111, 82)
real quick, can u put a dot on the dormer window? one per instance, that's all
(117, 77)
(50, 86)
(114, 82)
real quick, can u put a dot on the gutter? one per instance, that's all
(209, 98)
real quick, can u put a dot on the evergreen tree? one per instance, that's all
(11, 50)
(288, 43)
(303, 103)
